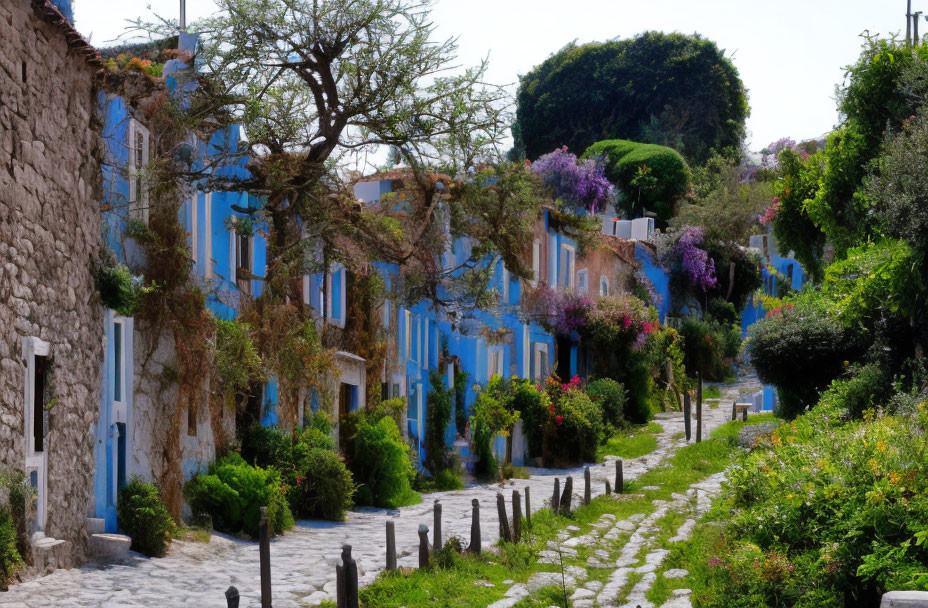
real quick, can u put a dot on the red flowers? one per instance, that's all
(559, 419)
(551, 409)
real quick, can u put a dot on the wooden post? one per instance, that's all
(587, 490)
(619, 477)
(744, 415)
(475, 528)
(232, 597)
(423, 546)
(391, 545)
(734, 410)
(687, 416)
(528, 506)
(608, 488)
(351, 577)
(699, 407)
(568, 495)
(556, 499)
(264, 554)
(436, 518)
(504, 532)
(516, 516)
(340, 601)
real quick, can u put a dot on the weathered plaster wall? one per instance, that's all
(49, 236)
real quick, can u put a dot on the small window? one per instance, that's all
(566, 270)
(24, 72)
(539, 361)
(139, 142)
(38, 403)
(408, 335)
(494, 363)
(505, 285)
(396, 185)
(603, 285)
(208, 235)
(536, 262)
(582, 281)
(243, 262)
(117, 362)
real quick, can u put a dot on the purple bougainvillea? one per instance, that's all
(579, 184)
(688, 263)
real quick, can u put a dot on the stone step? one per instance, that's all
(96, 525)
(110, 547)
(49, 554)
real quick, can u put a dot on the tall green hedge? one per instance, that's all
(623, 160)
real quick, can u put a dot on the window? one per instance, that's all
(566, 269)
(425, 343)
(38, 402)
(119, 370)
(306, 299)
(505, 285)
(139, 141)
(540, 361)
(408, 334)
(536, 262)
(208, 235)
(494, 363)
(191, 419)
(192, 203)
(582, 281)
(241, 261)
(603, 285)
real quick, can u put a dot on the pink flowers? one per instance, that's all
(770, 213)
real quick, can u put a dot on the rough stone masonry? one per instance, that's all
(49, 237)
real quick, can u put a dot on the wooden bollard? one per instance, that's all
(587, 490)
(556, 499)
(264, 555)
(232, 597)
(350, 573)
(423, 546)
(504, 532)
(340, 599)
(687, 416)
(698, 407)
(528, 506)
(608, 488)
(619, 477)
(436, 521)
(516, 516)
(734, 410)
(475, 528)
(744, 415)
(568, 495)
(391, 545)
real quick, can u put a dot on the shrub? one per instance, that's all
(237, 362)
(439, 404)
(447, 480)
(574, 426)
(491, 417)
(800, 350)
(143, 516)
(709, 347)
(118, 290)
(625, 160)
(327, 488)
(532, 405)
(381, 465)
(10, 559)
(460, 401)
(232, 493)
(611, 398)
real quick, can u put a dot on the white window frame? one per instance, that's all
(208, 235)
(33, 347)
(583, 281)
(603, 285)
(138, 201)
(408, 333)
(505, 285)
(494, 362)
(306, 297)
(424, 335)
(536, 262)
(539, 349)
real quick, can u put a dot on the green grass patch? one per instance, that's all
(631, 443)
(711, 392)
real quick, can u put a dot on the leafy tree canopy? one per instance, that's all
(670, 89)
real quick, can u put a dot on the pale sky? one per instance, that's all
(790, 53)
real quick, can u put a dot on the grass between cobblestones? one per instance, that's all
(464, 581)
(631, 443)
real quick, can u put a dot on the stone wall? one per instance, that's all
(49, 237)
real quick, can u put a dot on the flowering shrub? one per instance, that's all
(578, 184)
(770, 213)
(573, 427)
(492, 416)
(829, 513)
(692, 271)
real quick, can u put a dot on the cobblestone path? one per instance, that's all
(303, 559)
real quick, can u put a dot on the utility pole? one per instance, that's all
(183, 15)
(915, 17)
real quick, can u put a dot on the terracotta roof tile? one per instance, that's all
(50, 14)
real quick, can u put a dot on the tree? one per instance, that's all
(668, 89)
(793, 227)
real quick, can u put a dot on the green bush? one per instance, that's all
(10, 559)
(118, 290)
(327, 488)
(624, 162)
(800, 350)
(532, 405)
(460, 401)
(827, 508)
(491, 417)
(232, 493)
(611, 398)
(710, 347)
(447, 480)
(439, 404)
(381, 465)
(144, 517)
